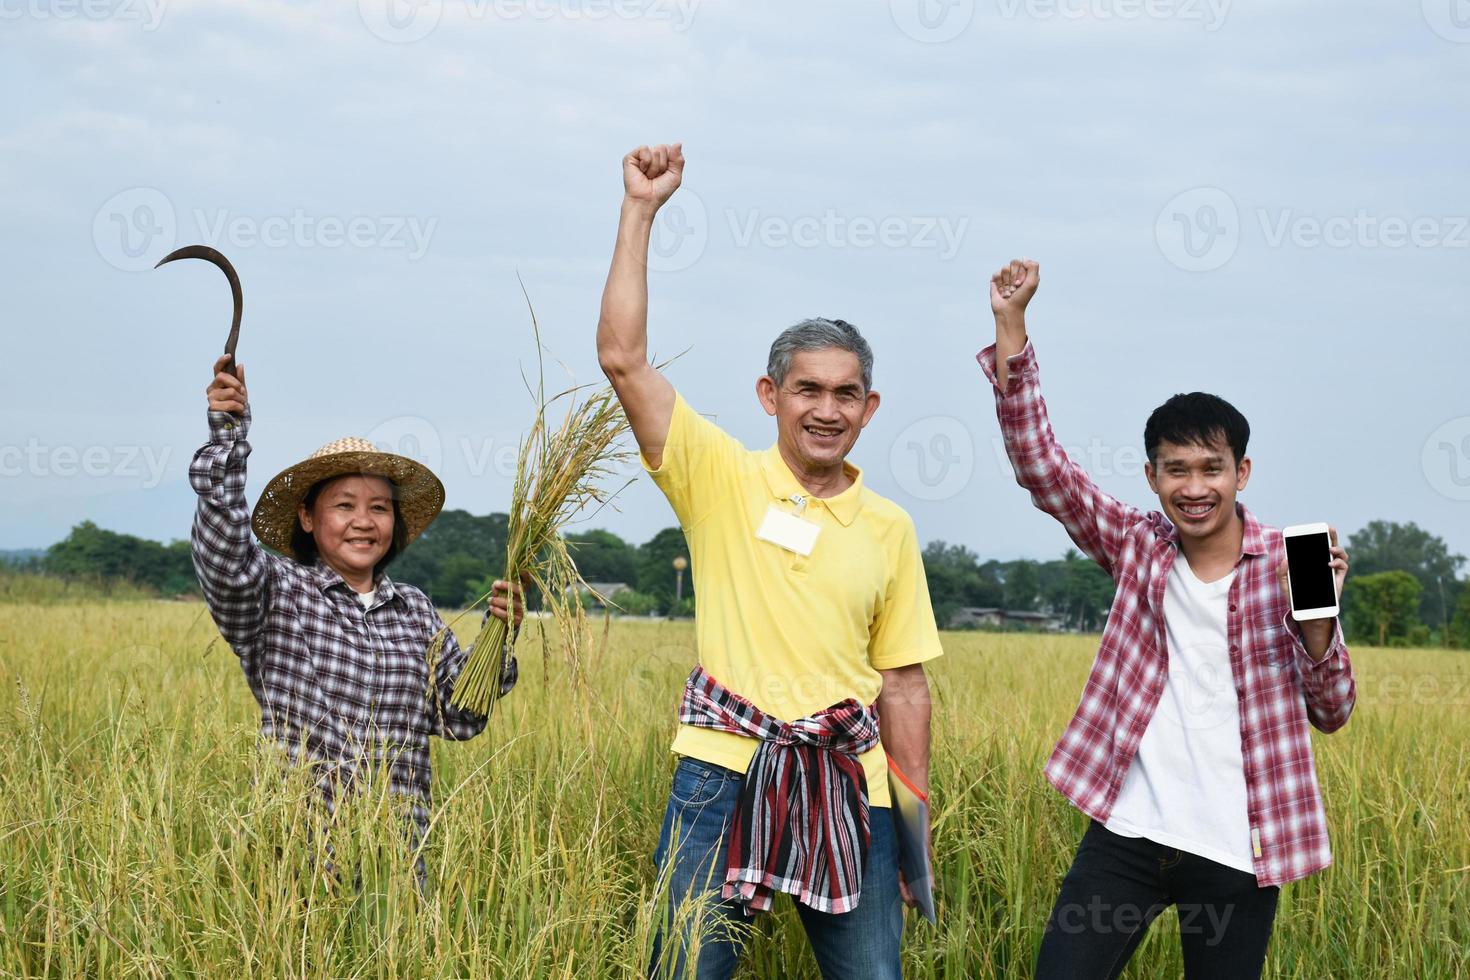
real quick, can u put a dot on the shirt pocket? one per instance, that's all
(1271, 643)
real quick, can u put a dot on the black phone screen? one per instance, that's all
(1307, 557)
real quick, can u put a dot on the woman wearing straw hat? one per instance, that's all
(333, 649)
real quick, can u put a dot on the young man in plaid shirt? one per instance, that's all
(1190, 748)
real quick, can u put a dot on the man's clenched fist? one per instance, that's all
(651, 174)
(1012, 287)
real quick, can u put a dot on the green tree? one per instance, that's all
(478, 542)
(656, 566)
(178, 575)
(956, 579)
(1384, 606)
(459, 578)
(1460, 625)
(1022, 585)
(91, 552)
(1387, 546)
(1077, 589)
(602, 556)
(636, 603)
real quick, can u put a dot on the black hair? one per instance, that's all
(304, 545)
(1197, 418)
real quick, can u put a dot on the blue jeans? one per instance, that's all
(862, 944)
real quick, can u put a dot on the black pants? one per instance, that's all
(1118, 885)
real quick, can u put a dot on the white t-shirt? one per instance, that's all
(1186, 786)
(366, 598)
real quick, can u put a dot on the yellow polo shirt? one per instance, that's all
(791, 634)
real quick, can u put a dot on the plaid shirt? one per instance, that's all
(345, 689)
(1279, 687)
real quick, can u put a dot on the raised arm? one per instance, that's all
(232, 569)
(1011, 289)
(1096, 521)
(650, 176)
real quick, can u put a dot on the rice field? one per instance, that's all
(143, 834)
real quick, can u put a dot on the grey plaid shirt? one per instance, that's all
(345, 689)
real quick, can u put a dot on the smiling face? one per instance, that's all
(820, 407)
(351, 521)
(1197, 485)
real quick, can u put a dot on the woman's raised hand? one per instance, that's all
(227, 391)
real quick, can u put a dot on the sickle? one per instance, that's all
(211, 255)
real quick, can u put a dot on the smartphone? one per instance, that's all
(1311, 583)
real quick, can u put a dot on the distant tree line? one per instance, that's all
(1404, 590)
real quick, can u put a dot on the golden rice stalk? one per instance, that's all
(558, 475)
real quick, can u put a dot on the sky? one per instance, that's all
(1267, 201)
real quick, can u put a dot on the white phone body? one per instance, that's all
(1313, 593)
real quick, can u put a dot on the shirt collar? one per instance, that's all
(1252, 539)
(784, 485)
(1253, 542)
(328, 578)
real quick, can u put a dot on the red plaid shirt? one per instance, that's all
(1279, 687)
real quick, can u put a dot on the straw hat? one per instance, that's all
(420, 494)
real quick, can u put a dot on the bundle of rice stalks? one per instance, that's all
(558, 476)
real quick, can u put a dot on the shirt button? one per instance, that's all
(1232, 607)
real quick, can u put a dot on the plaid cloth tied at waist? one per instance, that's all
(801, 825)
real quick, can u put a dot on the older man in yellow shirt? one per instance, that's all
(813, 622)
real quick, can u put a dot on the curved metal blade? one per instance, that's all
(212, 255)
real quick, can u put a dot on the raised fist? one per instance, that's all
(652, 174)
(1013, 286)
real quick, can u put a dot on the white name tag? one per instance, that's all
(795, 534)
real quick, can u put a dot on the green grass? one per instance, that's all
(42, 589)
(144, 835)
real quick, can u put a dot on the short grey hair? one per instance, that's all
(819, 333)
